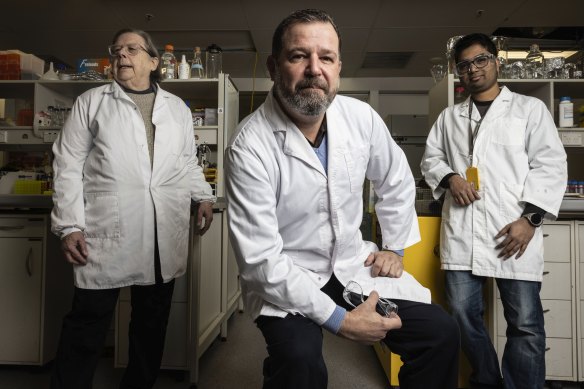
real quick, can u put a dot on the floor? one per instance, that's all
(235, 364)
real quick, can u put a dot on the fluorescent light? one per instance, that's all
(513, 54)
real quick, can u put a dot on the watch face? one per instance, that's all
(536, 219)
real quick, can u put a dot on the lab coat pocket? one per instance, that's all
(509, 197)
(102, 216)
(356, 166)
(509, 131)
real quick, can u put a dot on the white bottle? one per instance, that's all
(183, 69)
(566, 112)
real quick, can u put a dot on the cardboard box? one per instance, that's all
(9, 66)
(31, 66)
(96, 64)
(210, 116)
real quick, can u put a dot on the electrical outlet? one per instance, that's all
(3, 136)
(50, 136)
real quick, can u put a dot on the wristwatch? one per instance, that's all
(535, 219)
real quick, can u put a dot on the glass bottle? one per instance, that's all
(535, 63)
(197, 70)
(214, 61)
(168, 68)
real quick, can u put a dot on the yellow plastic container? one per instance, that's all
(28, 187)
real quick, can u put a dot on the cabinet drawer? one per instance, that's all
(557, 242)
(558, 356)
(22, 226)
(208, 135)
(557, 284)
(557, 316)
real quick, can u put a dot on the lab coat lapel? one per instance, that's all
(500, 105)
(295, 144)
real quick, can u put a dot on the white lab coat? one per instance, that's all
(105, 186)
(520, 158)
(292, 224)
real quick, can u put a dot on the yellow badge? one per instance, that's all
(472, 176)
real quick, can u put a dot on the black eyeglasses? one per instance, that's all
(115, 50)
(480, 61)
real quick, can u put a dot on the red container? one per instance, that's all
(9, 66)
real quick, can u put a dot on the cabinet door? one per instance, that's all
(210, 276)
(20, 288)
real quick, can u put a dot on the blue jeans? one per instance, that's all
(523, 364)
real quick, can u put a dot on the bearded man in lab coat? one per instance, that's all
(294, 176)
(499, 161)
(125, 173)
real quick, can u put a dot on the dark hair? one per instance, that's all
(150, 49)
(472, 39)
(301, 16)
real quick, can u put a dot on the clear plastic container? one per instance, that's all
(168, 66)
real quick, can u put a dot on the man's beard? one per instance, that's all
(303, 100)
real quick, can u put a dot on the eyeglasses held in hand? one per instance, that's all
(480, 61)
(353, 295)
(115, 50)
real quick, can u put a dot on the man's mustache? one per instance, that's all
(312, 83)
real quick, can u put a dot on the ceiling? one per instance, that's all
(393, 38)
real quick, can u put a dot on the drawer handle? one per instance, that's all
(29, 262)
(546, 311)
(11, 228)
(545, 273)
(547, 349)
(546, 235)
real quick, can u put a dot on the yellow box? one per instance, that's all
(28, 187)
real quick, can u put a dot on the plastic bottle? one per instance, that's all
(184, 69)
(168, 68)
(197, 70)
(214, 60)
(566, 112)
(534, 63)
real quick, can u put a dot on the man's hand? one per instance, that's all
(519, 234)
(385, 264)
(75, 248)
(205, 211)
(364, 325)
(462, 192)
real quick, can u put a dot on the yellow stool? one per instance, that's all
(424, 265)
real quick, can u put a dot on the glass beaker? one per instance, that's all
(501, 45)
(213, 61)
(450, 52)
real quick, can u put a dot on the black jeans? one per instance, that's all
(85, 328)
(428, 344)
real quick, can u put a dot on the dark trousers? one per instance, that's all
(85, 328)
(428, 344)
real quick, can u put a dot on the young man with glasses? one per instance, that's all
(499, 162)
(125, 173)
